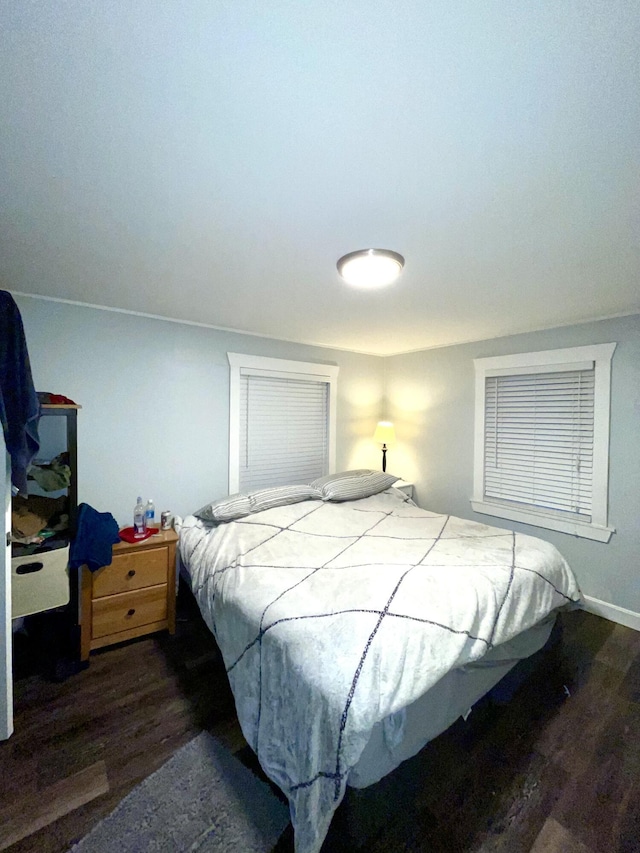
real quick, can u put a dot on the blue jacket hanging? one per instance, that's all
(19, 406)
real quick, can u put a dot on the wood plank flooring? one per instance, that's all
(555, 770)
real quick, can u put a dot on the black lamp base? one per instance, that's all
(384, 457)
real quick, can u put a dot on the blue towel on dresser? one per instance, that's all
(97, 532)
(19, 406)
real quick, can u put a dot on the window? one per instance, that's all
(542, 439)
(282, 421)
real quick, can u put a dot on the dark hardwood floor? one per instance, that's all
(555, 770)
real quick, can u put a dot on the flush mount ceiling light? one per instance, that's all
(370, 267)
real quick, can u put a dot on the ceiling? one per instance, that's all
(210, 162)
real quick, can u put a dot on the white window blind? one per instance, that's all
(539, 431)
(541, 438)
(284, 430)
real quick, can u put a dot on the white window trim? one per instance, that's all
(572, 358)
(279, 368)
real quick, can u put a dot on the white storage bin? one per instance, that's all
(39, 582)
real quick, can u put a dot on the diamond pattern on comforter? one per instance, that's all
(330, 617)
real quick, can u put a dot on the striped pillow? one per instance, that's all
(241, 505)
(352, 485)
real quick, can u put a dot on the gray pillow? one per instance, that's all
(352, 485)
(240, 505)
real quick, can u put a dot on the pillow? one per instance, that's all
(240, 505)
(352, 485)
(225, 509)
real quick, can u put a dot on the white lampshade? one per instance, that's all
(370, 268)
(385, 433)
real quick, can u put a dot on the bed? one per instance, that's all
(356, 626)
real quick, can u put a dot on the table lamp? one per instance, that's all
(385, 434)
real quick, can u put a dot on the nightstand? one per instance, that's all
(405, 487)
(135, 595)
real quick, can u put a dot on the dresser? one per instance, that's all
(134, 596)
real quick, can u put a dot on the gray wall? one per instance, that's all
(155, 401)
(431, 400)
(155, 412)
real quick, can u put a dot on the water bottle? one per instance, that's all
(139, 520)
(150, 513)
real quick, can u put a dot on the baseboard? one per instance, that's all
(612, 612)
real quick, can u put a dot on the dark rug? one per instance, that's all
(203, 800)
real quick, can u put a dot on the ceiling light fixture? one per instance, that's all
(370, 267)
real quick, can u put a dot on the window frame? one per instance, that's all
(277, 368)
(573, 358)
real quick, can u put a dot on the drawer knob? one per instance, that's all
(131, 612)
(131, 573)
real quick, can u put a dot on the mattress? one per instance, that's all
(336, 621)
(402, 735)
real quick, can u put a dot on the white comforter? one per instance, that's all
(332, 616)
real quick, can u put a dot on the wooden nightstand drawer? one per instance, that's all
(115, 613)
(131, 571)
(134, 595)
